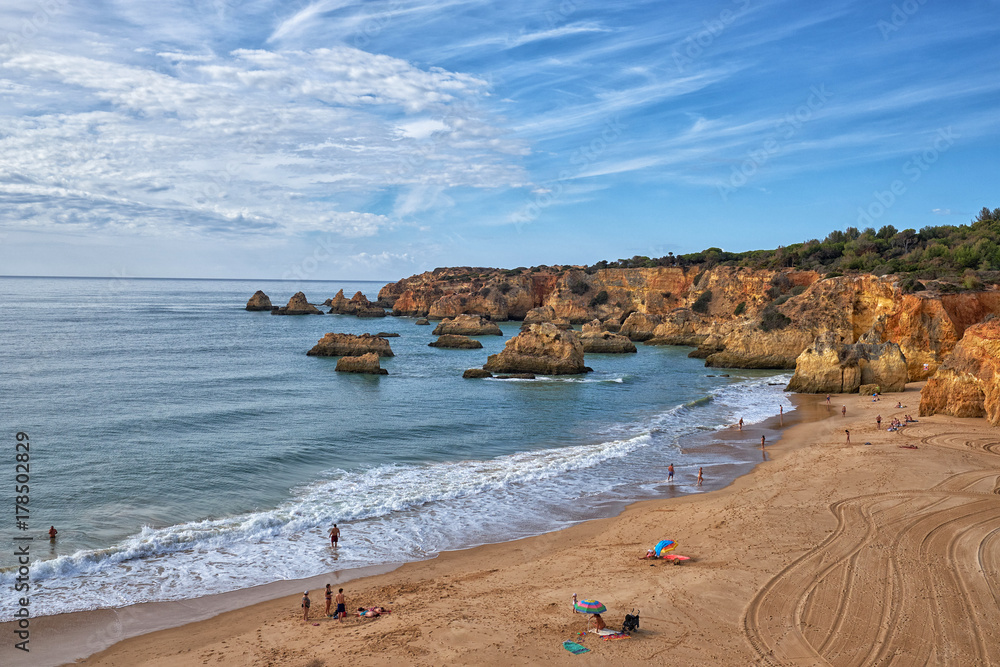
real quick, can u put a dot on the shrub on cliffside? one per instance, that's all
(600, 299)
(772, 320)
(700, 304)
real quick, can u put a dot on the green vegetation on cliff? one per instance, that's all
(971, 251)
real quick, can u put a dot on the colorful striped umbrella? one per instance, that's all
(590, 607)
(663, 546)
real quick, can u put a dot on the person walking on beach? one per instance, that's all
(329, 599)
(341, 605)
(781, 415)
(741, 423)
(878, 422)
(828, 399)
(670, 472)
(305, 606)
(843, 411)
(848, 436)
(334, 535)
(762, 440)
(701, 477)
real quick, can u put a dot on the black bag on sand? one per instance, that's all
(631, 623)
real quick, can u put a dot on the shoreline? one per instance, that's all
(90, 632)
(783, 570)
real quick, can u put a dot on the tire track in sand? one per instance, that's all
(906, 578)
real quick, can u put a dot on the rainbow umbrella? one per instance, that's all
(590, 607)
(663, 546)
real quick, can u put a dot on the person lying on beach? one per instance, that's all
(372, 612)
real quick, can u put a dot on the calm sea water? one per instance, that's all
(183, 446)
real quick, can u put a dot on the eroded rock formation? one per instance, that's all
(456, 342)
(349, 345)
(595, 339)
(259, 301)
(968, 383)
(298, 305)
(830, 366)
(542, 349)
(467, 325)
(357, 305)
(365, 363)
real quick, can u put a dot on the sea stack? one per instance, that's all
(468, 325)
(544, 349)
(298, 305)
(365, 363)
(348, 345)
(259, 301)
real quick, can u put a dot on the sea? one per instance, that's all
(183, 446)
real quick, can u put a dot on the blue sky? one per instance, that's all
(372, 140)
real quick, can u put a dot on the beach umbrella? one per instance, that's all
(590, 607)
(663, 546)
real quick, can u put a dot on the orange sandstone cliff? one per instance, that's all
(736, 317)
(968, 383)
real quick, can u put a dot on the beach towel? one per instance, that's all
(605, 631)
(615, 635)
(574, 648)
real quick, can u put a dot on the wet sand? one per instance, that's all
(827, 553)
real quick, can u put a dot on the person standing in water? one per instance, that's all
(334, 535)
(52, 532)
(670, 472)
(762, 441)
(701, 477)
(741, 423)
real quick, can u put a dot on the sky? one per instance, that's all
(335, 139)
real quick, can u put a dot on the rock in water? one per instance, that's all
(386, 334)
(456, 342)
(542, 349)
(968, 382)
(476, 373)
(595, 339)
(298, 305)
(832, 367)
(423, 321)
(347, 345)
(468, 325)
(259, 301)
(366, 363)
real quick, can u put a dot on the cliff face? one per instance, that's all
(968, 383)
(737, 317)
(831, 366)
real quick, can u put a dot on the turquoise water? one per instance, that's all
(184, 446)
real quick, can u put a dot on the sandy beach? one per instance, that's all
(827, 553)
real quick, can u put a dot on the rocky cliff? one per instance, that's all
(830, 366)
(736, 317)
(968, 383)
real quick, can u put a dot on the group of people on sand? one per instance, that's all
(339, 613)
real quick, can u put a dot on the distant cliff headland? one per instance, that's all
(861, 310)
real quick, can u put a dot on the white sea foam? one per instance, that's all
(389, 513)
